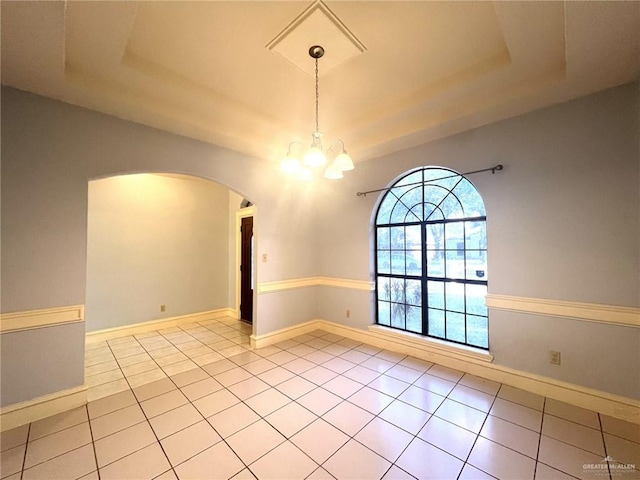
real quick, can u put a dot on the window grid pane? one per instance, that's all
(431, 258)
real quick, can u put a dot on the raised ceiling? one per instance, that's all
(229, 73)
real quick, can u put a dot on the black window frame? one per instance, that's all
(405, 285)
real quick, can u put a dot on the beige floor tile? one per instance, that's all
(190, 376)
(295, 387)
(11, 460)
(544, 472)
(416, 364)
(406, 374)
(425, 461)
(307, 440)
(282, 357)
(482, 384)
(361, 374)
(140, 367)
(284, 462)
(206, 359)
(374, 363)
(454, 440)
(91, 360)
(290, 419)
(348, 418)
(510, 435)
(144, 464)
(244, 358)
(104, 377)
(254, 441)
(232, 351)
(435, 384)
(116, 421)
(320, 474)
(218, 367)
(153, 389)
(14, 437)
(202, 388)
(189, 442)
(573, 433)
(299, 365)
(134, 359)
(518, 414)
(233, 376)
(216, 402)
(101, 368)
(521, 397)
(342, 386)
(233, 419)
(405, 416)
(267, 402)
(368, 349)
(179, 367)
(319, 375)
(354, 460)
(218, 461)
(384, 438)
(248, 388)
(57, 443)
(164, 351)
(472, 398)
(620, 428)
(120, 444)
(276, 376)
(318, 343)
(469, 472)
(175, 420)
(58, 422)
(371, 400)
(163, 403)
(573, 413)
(267, 351)
(259, 366)
(319, 357)
(422, 399)
(74, 464)
(446, 373)
(355, 356)
(566, 458)
(461, 415)
(110, 404)
(396, 473)
(335, 349)
(146, 377)
(500, 461)
(120, 353)
(319, 401)
(338, 365)
(165, 360)
(623, 451)
(391, 356)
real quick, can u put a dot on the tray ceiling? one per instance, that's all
(395, 74)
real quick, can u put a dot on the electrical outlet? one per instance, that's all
(163, 308)
(264, 257)
(348, 313)
(554, 357)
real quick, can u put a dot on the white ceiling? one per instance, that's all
(420, 70)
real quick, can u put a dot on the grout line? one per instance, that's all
(26, 447)
(93, 443)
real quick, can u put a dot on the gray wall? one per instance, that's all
(563, 223)
(155, 240)
(50, 151)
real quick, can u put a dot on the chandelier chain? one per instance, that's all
(317, 97)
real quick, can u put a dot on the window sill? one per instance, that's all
(437, 346)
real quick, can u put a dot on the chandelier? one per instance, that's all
(304, 164)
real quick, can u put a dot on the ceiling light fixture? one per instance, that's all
(315, 157)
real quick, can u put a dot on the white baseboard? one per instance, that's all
(152, 325)
(18, 414)
(607, 403)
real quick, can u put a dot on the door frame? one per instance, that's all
(240, 214)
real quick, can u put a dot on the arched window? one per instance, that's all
(431, 257)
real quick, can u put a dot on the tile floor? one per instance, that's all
(197, 402)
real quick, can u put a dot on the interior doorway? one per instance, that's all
(246, 269)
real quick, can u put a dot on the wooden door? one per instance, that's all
(246, 267)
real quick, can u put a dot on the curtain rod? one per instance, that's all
(493, 170)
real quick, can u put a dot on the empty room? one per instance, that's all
(320, 240)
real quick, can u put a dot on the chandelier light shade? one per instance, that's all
(304, 164)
